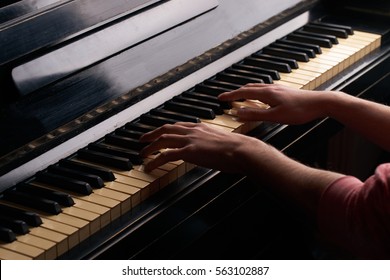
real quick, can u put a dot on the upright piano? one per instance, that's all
(81, 80)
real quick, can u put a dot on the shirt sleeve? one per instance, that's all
(355, 215)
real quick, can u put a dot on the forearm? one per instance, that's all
(369, 119)
(292, 106)
(285, 177)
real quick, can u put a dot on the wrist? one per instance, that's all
(255, 158)
(334, 103)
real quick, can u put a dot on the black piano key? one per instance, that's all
(331, 38)
(64, 183)
(273, 58)
(223, 84)
(34, 202)
(105, 159)
(102, 172)
(273, 73)
(238, 79)
(133, 156)
(93, 180)
(206, 97)
(265, 78)
(28, 217)
(175, 115)
(129, 133)
(278, 66)
(200, 112)
(316, 48)
(137, 126)
(124, 142)
(209, 89)
(200, 96)
(338, 32)
(309, 52)
(310, 40)
(347, 29)
(7, 235)
(62, 198)
(17, 226)
(156, 120)
(297, 55)
(216, 107)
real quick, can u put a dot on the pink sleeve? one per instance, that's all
(356, 215)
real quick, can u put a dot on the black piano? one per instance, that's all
(81, 80)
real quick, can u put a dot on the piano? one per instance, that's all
(81, 80)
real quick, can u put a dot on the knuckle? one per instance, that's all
(163, 137)
(166, 127)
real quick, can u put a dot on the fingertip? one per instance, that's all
(149, 165)
(145, 152)
(223, 95)
(147, 168)
(144, 137)
(142, 154)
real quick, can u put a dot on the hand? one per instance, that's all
(198, 144)
(236, 153)
(287, 105)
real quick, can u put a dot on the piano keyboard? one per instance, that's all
(65, 204)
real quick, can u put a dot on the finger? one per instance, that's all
(163, 142)
(256, 85)
(255, 91)
(180, 128)
(187, 124)
(251, 114)
(163, 158)
(247, 92)
(249, 103)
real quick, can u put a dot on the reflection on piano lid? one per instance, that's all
(18, 9)
(113, 159)
(86, 51)
(64, 20)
